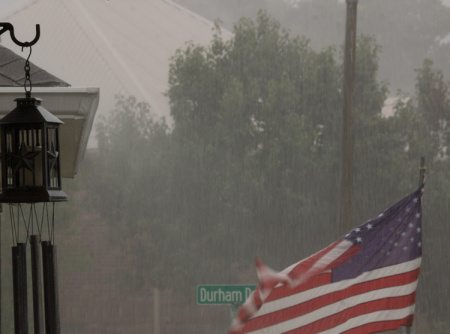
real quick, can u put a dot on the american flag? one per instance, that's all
(363, 283)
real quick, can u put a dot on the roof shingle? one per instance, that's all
(12, 73)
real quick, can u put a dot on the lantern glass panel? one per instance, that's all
(53, 174)
(24, 157)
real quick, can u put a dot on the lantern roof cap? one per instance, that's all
(29, 110)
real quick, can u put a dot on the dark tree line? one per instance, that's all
(251, 163)
(407, 30)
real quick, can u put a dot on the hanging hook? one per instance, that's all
(9, 27)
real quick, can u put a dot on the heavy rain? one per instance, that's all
(217, 139)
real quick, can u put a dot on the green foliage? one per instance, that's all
(426, 117)
(433, 103)
(129, 181)
(407, 30)
(251, 164)
(257, 110)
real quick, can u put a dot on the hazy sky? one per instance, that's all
(7, 6)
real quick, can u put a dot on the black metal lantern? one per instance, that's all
(31, 174)
(30, 154)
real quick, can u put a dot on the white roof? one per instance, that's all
(121, 46)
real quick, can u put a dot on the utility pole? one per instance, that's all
(346, 190)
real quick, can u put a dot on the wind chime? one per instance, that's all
(31, 184)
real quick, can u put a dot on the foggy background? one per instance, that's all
(404, 31)
(248, 161)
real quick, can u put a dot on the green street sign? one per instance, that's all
(223, 294)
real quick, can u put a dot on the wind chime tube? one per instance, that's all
(51, 298)
(36, 273)
(19, 261)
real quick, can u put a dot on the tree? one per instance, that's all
(128, 185)
(250, 166)
(273, 119)
(422, 122)
(257, 108)
(406, 30)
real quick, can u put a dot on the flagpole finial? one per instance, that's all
(422, 170)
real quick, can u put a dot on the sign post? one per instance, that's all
(234, 308)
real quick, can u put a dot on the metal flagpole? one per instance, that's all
(422, 170)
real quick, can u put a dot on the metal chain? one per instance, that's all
(27, 76)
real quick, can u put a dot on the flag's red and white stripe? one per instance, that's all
(293, 276)
(381, 299)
